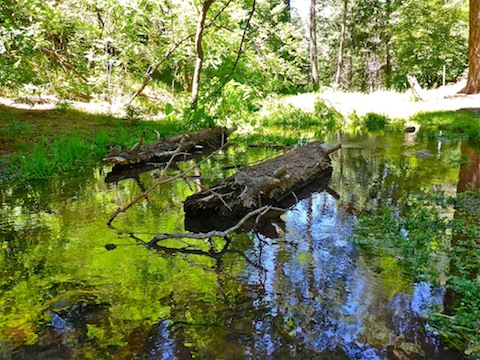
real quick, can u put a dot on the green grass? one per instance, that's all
(43, 144)
(461, 124)
(287, 125)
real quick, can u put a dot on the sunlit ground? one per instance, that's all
(393, 104)
(390, 103)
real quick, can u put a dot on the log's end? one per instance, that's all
(116, 160)
(230, 130)
(331, 149)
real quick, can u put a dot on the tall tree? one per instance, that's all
(313, 46)
(342, 42)
(199, 51)
(473, 83)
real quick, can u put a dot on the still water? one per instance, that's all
(295, 286)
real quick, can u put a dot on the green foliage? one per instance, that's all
(323, 118)
(133, 114)
(428, 35)
(197, 118)
(102, 49)
(370, 122)
(284, 124)
(388, 40)
(419, 234)
(236, 101)
(375, 121)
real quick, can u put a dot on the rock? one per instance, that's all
(423, 154)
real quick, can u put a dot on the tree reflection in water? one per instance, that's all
(323, 299)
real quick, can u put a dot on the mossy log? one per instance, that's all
(263, 184)
(162, 150)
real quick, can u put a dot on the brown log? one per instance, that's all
(263, 184)
(163, 149)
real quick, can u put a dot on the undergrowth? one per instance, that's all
(421, 235)
(280, 124)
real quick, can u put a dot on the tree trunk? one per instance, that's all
(199, 51)
(342, 42)
(313, 46)
(473, 83)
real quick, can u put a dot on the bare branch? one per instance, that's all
(201, 236)
(160, 182)
(65, 63)
(215, 194)
(240, 48)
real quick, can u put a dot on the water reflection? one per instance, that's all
(469, 177)
(323, 299)
(294, 288)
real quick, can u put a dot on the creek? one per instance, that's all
(296, 287)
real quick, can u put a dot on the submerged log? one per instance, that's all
(163, 149)
(263, 184)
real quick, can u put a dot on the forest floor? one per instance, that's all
(390, 103)
(24, 121)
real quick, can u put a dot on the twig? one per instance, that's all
(215, 193)
(137, 146)
(240, 48)
(261, 214)
(210, 234)
(160, 182)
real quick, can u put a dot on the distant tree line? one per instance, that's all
(216, 49)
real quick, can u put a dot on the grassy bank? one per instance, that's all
(38, 144)
(41, 144)
(460, 124)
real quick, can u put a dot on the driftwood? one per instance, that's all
(416, 88)
(163, 150)
(160, 181)
(264, 184)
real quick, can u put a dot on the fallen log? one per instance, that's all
(264, 184)
(163, 150)
(270, 222)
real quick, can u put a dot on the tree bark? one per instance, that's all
(263, 184)
(313, 46)
(473, 83)
(152, 69)
(199, 51)
(342, 43)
